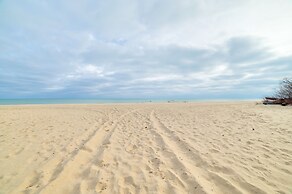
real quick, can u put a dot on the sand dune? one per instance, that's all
(146, 148)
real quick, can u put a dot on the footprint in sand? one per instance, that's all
(101, 187)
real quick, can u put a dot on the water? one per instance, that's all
(103, 101)
(71, 101)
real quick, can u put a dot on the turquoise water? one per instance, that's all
(70, 101)
(99, 101)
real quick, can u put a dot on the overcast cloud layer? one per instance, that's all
(144, 49)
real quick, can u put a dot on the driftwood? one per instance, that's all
(281, 101)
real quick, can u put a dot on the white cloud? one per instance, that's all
(88, 71)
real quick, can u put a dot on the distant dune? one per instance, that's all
(146, 148)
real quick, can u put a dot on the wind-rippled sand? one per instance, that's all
(146, 148)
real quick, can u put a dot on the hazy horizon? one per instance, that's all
(132, 49)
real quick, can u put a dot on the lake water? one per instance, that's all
(71, 101)
(103, 101)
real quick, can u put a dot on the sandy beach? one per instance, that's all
(223, 147)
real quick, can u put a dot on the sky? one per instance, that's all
(144, 49)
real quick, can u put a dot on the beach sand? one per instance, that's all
(227, 147)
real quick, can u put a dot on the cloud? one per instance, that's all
(143, 49)
(87, 71)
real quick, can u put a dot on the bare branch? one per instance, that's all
(285, 90)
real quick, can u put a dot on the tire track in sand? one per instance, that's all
(196, 165)
(68, 170)
(185, 177)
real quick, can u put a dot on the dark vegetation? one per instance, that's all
(283, 95)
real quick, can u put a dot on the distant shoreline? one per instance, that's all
(111, 101)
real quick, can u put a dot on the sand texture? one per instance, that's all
(146, 148)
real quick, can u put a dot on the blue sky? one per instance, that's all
(211, 49)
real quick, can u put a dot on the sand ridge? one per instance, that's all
(146, 148)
